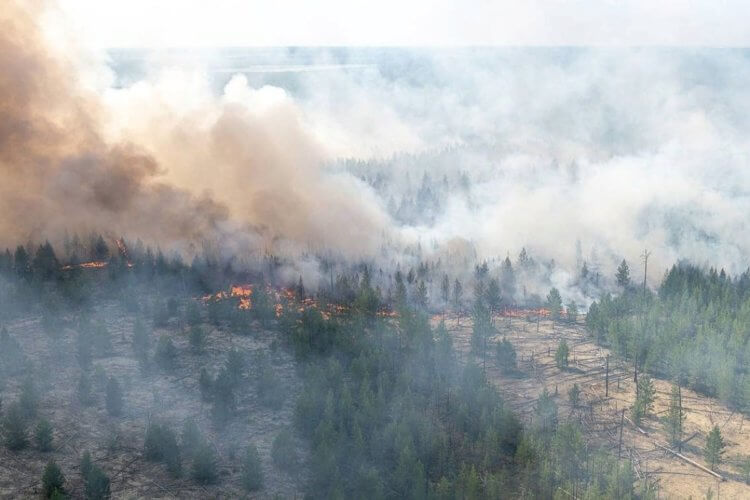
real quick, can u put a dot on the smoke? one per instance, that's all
(540, 148)
(175, 166)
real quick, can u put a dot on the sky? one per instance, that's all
(204, 23)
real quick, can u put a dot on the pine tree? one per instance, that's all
(493, 296)
(190, 439)
(644, 399)
(53, 481)
(284, 451)
(14, 428)
(84, 389)
(545, 412)
(458, 291)
(623, 275)
(506, 355)
(252, 470)
(561, 355)
(204, 465)
(114, 397)
(43, 435)
(675, 418)
(29, 398)
(205, 384)
(574, 395)
(197, 339)
(166, 353)
(714, 448)
(572, 313)
(554, 304)
(96, 484)
(508, 279)
(421, 295)
(445, 290)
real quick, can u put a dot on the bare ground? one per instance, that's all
(601, 416)
(116, 444)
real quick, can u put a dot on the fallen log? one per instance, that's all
(691, 462)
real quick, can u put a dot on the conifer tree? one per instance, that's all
(53, 481)
(14, 428)
(554, 304)
(675, 418)
(43, 435)
(714, 449)
(623, 275)
(114, 397)
(252, 470)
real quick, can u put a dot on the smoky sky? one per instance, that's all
(618, 149)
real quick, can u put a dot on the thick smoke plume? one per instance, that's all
(238, 170)
(57, 169)
(574, 154)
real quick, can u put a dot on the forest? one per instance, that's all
(386, 408)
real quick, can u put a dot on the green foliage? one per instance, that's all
(623, 274)
(675, 417)
(561, 355)
(271, 391)
(574, 395)
(506, 355)
(53, 481)
(714, 449)
(695, 330)
(205, 384)
(572, 312)
(204, 465)
(166, 353)
(43, 435)
(83, 390)
(482, 326)
(141, 341)
(15, 428)
(235, 366)
(193, 313)
(197, 339)
(554, 304)
(223, 397)
(644, 399)
(161, 446)
(284, 451)
(101, 340)
(29, 398)
(190, 439)
(96, 484)
(113, 398)
(252, 470)
(545, 413)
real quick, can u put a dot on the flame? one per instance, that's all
(123, 249)
(94, 264)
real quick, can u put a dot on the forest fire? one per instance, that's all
(513, 312)
(95, 264)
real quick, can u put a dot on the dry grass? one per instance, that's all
(172, 397)
(600, 415)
